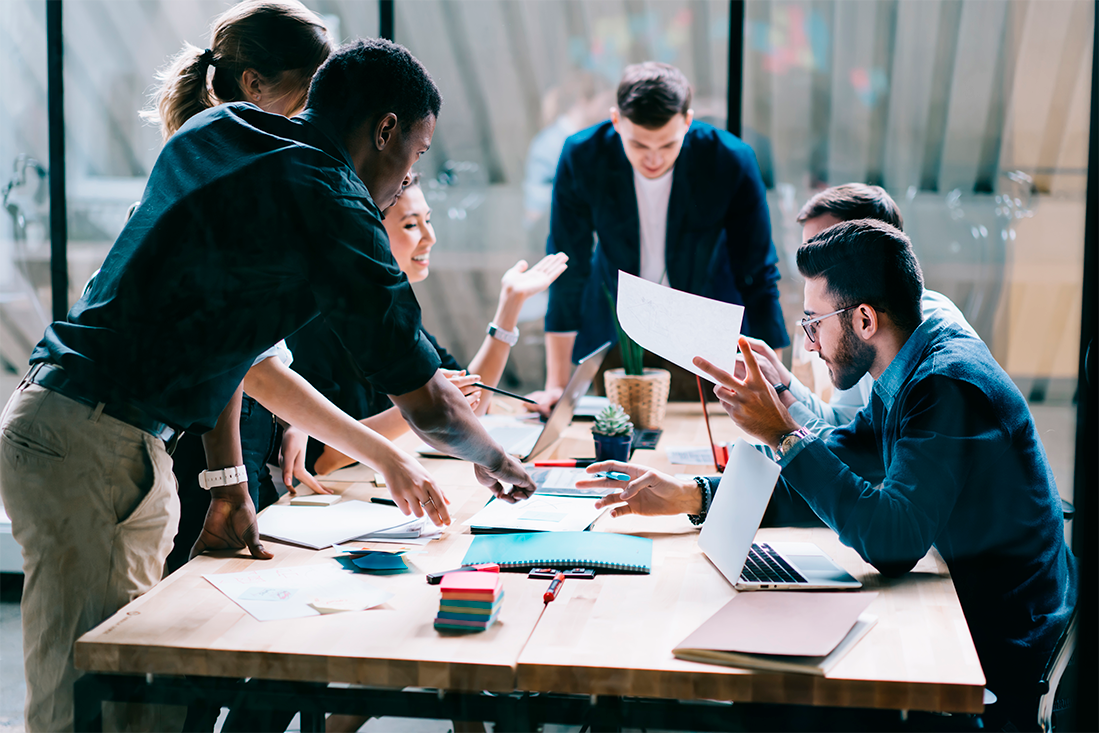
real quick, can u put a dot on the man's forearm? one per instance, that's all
(440, 414)
(291, 397)
(559, 358)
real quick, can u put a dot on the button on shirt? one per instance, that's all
(946, 454)
(250, 226)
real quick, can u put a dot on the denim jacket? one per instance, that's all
(946, 455)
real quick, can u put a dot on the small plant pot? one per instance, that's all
(612, 447)
(645, 397)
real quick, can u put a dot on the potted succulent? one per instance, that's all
(612, 433)
(643, 393)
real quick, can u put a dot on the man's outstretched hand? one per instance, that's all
(230, 523)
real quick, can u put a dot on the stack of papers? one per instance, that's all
(563, 481)
(470, 601)
(540, 513)
(416, 531)
(320, 527)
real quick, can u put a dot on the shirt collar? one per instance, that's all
(335, 145)
(906, 361)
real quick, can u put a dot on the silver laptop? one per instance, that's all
(526, 439)
(732, 521)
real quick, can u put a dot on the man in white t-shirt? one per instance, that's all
(656, 194)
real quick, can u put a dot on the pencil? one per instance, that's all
(521, 398)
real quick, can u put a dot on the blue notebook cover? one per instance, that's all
(601, 550)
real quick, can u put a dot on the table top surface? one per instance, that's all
(613, 635)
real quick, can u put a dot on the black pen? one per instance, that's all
(382, 500)
(506, 393)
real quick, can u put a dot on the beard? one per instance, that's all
(853, 358)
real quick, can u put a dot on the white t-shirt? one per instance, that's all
(653, 195)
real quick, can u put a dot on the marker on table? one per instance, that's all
(555, 588)
(382, 500)
(506, 393)
(435, 578)
(566, 463)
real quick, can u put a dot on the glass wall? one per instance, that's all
(518, 78)
(974, 115)
(24, 161)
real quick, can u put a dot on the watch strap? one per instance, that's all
(508, 337)
(223, 477)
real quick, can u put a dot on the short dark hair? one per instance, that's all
(652, 93)
(851, 201)
(867, 261)
(368, 78)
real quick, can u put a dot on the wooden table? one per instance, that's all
(609, 637)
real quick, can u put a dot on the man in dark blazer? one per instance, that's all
(652, 193)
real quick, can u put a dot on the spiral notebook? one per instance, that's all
(563, 550)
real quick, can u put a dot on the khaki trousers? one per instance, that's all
(93, 505)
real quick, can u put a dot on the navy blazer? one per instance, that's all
(718, 242)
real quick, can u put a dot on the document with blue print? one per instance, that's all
(538, 514)
(677, 325)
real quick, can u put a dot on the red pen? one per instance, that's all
(555, 587)
(566, 463)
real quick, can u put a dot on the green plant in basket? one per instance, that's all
(631, 352)
(612, 420)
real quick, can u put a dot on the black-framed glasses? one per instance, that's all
(809, 325)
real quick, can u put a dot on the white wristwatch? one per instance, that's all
(508, 337)
(223, 477)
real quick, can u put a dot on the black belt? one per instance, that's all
(54, 378)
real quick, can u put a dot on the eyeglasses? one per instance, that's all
(809, 325)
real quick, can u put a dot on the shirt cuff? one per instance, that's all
(798, 390)
(797, 448)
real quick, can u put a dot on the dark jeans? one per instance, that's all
(259, 444)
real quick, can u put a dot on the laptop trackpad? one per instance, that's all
(816, 568)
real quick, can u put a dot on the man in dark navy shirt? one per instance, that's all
(251, 226)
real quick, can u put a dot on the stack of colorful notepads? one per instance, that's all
(470, 601)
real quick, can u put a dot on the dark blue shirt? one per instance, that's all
(946, 454)
(717, 243)
(250, 226)
(323, 362)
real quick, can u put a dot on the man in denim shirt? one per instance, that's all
(946, 454)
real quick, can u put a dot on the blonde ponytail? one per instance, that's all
(183, 91)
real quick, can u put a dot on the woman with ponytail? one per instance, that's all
(264, 52)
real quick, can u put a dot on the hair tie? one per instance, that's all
(207, 58)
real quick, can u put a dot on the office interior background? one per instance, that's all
(975, 115)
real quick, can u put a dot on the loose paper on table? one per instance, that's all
(294, 592)
(677, 325)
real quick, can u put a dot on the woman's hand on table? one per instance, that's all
(648, 492)
(414, 489)
(292, 458)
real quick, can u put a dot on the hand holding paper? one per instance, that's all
(752, 402)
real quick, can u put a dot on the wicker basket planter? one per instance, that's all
(645, 397)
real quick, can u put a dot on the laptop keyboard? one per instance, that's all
(765, 565)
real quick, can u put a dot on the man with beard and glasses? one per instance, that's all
(946, 455)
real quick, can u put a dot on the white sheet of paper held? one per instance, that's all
(677, 325)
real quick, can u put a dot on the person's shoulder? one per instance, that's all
(592, 140)
(702, 136)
